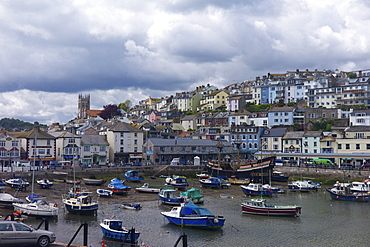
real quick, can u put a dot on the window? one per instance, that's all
(41, 151)
(367, 146)
(102, 148)
(14, 144)
(86, 148)
(2, 143)
(121, 142)
(357, 146)
(340, 146)
(135, 134)
(348, 146)
(135, 142)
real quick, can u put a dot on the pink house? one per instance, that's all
(154, 116)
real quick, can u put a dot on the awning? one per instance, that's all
(136, 156)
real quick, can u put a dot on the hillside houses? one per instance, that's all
(300, 99)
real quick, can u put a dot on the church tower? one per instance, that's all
(83, 106)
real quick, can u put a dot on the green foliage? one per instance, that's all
(352, 75)
(257, 108)
(189, 113)
(280, 103)
(291, 104)
(324, 125)
(126, 106)
(354, 107)
(12, 124)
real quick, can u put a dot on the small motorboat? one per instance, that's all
(190, 215)
(7, 200)
(45, 183)
(17, 183)
(178, 182)
(104, 193)
(260, 207)
(133, 176)
(130, 206)
(214, 182)
(203, 174)
(146, 189)
(255, 189)
(78, 191)
(80, 204)
(71, 181)
(237, 181)
(113, 229)
(279, 176)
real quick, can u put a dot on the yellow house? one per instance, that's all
(213, 100)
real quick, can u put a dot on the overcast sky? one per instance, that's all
(115, 50)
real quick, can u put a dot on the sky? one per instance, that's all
(118, 50)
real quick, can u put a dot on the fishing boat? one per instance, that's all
(17, 182)
(259, 206)
(37, 208)
(113, 229)
(179, 182)
(255, 189)
(190, 215)
(342, 191)
(45, 183)
(194, 195)
(279, 177)
(7, 200)
(81, 204)
(117, 186)
(94, 181)
(167, 196)
(146, 189)
(214, 182)
(71, 181)
(360, 186)
(133, 176)
(136, 206)
(104, 193)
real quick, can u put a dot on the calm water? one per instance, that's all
(323, 222)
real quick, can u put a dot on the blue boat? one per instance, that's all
(167, 196)
(81, 204)
(117, 186)
(342, 192)
(133, 176)
(214, 182)
(113, 229)
(190, 215)
(255, 189)
(178, 182)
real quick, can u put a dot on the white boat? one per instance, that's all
(7, 200)
(146, 189)
(45, 183)
(104, 193)
(17, 183)
(360, 186)
(37, 208)
(130, 206)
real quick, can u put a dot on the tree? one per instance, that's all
(126, 106)
(110, 111)
(352, 75)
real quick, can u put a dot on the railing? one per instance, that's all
(85, 226)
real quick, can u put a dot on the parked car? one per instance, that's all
(15, 233)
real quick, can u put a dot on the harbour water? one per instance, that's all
(323, 222)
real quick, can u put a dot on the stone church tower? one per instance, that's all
(83, 106)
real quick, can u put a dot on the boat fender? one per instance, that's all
(55, 205)
(215, 220)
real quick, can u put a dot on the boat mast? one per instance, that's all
(34, 162)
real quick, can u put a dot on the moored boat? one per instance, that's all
(214, 182)
(104, 193)
(81, 204)
(255, 189)
(167, 196)
(236, 181)
(93, 181)
(136, 206)
(190, 215)
(7, 200)
(17, 182)
(146, 189)
(279, 177)
(133, 176)
(259, 206)
(202, 175)
(117, 186)
(37, 208)
(45, 183)
(342, 192)
(113, 229)
(179, 182)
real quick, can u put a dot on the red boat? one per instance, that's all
(260, 207)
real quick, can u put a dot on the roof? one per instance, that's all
(93, 113)
(278, 109)
(94, 140)
(293, 134)
(123, 127)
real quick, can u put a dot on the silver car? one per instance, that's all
(17, 233)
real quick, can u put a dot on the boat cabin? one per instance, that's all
(113, 224)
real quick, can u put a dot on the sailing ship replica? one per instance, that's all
(257, 170)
